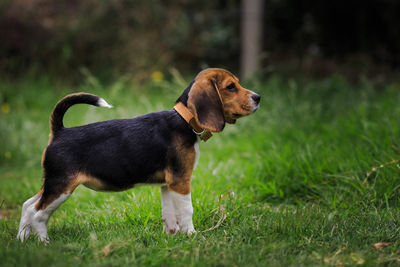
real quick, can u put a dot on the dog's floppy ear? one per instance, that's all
(205, 103)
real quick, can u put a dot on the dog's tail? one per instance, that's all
(56, 119)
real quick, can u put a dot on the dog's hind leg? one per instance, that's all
(42, 211)
(25, 223)
(55, 192)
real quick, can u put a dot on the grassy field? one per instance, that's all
(312, 178)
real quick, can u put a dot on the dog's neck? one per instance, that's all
(187, 115)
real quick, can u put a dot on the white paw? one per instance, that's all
(24, 232)
(191, 231)
(171, 230)
(39, 228)
(170, 226)
(44, 239)
(187, 228)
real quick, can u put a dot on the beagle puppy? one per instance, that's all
(157, 148)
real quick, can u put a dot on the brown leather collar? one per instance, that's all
(187, 115)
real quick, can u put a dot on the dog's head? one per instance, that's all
(216, 97)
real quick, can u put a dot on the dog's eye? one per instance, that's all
(231, 87)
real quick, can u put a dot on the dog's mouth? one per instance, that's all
(255, 108)
(230, 120)
(248, 109)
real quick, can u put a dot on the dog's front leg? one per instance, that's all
(171, 225)
(184, 211)
(178, 177)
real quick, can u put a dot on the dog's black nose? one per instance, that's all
(256, 98)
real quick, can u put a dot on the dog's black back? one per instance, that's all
(121, 152)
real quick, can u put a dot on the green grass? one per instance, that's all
(299, 169)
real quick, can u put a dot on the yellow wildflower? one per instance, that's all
(5, 108)
(157, 76)
(7, 155)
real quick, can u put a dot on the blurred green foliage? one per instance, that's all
(111, 38)
(59, 37)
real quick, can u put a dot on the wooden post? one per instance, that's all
(251, 36)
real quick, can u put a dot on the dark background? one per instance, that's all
(113, 38)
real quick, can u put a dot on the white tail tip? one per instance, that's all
(102, 103)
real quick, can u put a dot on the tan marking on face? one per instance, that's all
(186, 155)
(238, 103)
(235, 104)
